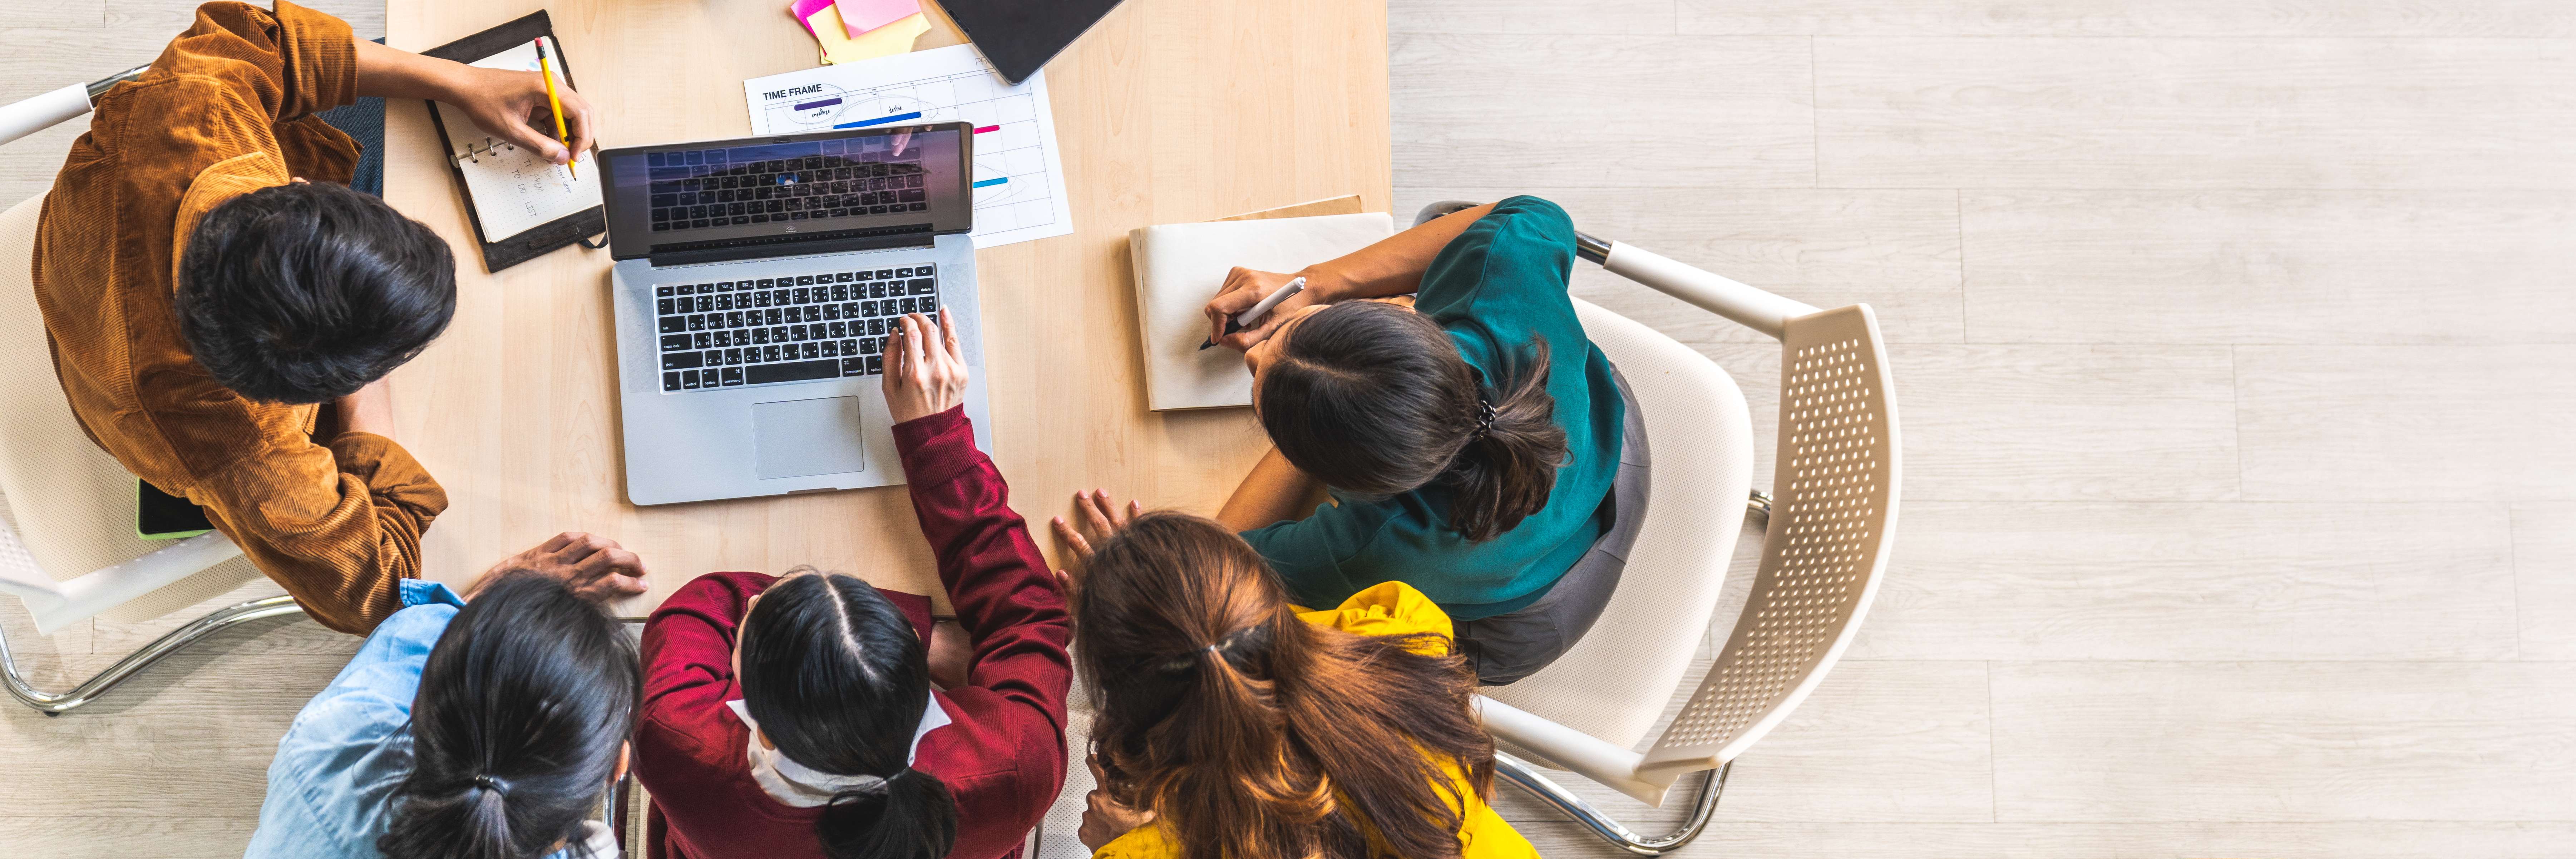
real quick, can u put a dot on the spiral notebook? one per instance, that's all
(521, 205)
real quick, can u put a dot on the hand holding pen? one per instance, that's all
(1251, 304)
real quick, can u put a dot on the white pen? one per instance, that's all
(1246, 318)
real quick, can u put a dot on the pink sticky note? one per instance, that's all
(803, 9)
(864, 15)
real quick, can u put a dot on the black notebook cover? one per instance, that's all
(538, 240)
(1019, 36)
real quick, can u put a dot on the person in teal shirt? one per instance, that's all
(1470, 443)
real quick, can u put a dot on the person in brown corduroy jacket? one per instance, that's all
(203, 298)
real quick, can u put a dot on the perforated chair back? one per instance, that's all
(1832, 518)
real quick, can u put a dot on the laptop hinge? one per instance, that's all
(664, 256)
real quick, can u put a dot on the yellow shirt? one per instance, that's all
(1388, 608)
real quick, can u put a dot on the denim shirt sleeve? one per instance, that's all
(349, 747)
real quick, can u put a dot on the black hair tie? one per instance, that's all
(491, 784)
(1484, 417)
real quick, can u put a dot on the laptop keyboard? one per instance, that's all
(789, 329)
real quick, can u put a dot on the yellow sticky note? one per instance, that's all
(886, 41)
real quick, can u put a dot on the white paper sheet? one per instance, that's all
(1019, 178)
(514, 190)
(1180, 266)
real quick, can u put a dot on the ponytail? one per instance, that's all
(523, 710)
(1250, 732)
(908, 816)
(471, 823)
(1508, 466)
(1374, 399)
(837, 679)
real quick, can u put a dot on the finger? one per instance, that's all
(1072, 538)
(1269, 323)
(583, 548)
(577, 117)
(894, 351)
(913, 325)
(948, 334)
(1095, 514)
(1235, 297)
(624, 563)
(518, 124)
(1134, 509)
(558, 541)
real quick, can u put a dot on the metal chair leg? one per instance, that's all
(55, 704)
(1527, 776)
(1759, 504)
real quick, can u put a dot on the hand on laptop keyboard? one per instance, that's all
(785, 329)
(925, 370)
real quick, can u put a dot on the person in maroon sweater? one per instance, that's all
(820, 736)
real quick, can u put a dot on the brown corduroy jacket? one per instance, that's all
(225, 110)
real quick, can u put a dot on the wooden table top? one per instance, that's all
(1166, 111)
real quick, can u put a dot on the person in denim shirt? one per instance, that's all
(481, 726)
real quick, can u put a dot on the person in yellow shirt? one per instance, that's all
(1230, 724)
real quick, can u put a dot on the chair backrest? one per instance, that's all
(1617, 681)
(71, 506)
(1832, 520)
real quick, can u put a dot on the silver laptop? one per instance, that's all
(756, 280)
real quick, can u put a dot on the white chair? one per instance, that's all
(70, 551)
(1836, 485)
(1825, 544)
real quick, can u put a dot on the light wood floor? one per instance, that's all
(2234, 339)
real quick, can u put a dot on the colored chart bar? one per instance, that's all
(882, 120)
(992, 182)
(815, 104)
(988, 128)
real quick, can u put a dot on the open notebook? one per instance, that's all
(1180, 266)
(521, 204)
(514, 189)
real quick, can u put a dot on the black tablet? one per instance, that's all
(1019, 36)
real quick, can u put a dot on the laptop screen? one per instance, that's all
(663, 198)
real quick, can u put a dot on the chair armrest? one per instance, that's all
(1582, 753)
(42, 112)
(109, 587)
(1746, 305)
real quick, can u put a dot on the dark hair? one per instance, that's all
(837, 679)
(1373, 398)
(1250, 732)
(304, 293)
(523, 707)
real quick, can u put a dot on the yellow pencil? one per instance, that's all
(548, 72)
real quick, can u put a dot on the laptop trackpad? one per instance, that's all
(802, 438)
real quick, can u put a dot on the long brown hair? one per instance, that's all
(1253, 734)
(1372, 398)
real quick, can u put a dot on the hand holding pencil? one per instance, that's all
(554, 107)
(506, 103)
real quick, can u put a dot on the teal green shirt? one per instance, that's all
(1497, 288)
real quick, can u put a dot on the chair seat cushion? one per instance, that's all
(1617, 681)
(70, 505)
